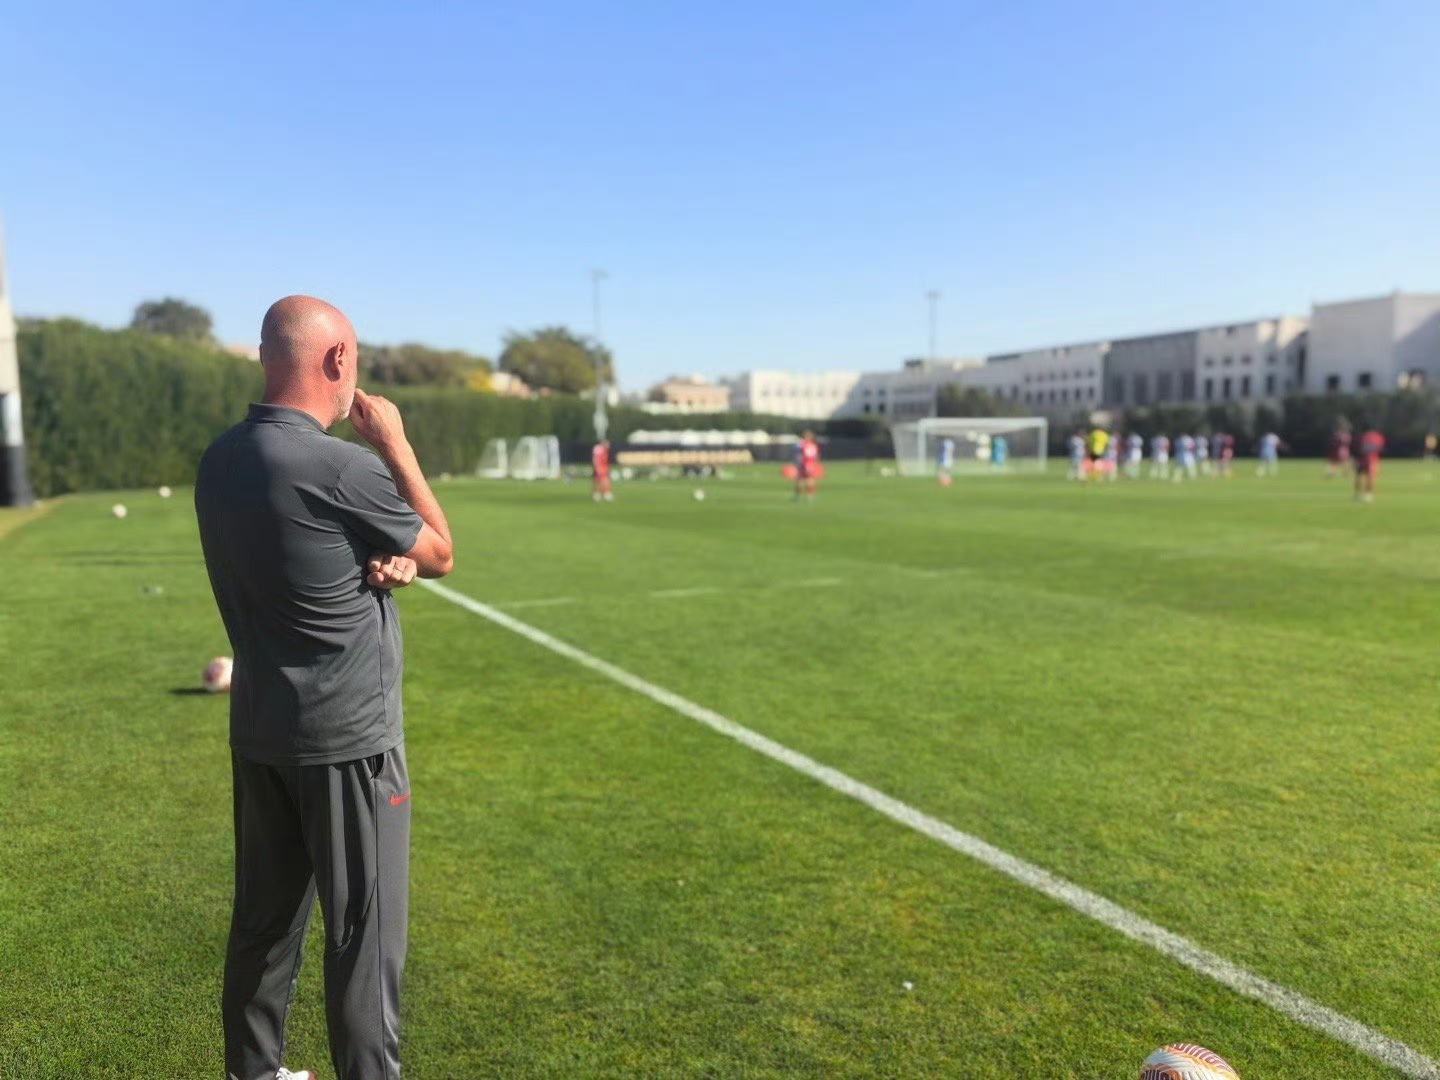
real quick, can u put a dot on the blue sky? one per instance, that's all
(767, 185)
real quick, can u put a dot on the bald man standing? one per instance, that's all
(305, 536)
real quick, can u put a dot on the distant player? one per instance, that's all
(1202, 454)
(1110, 460)
(944, 460)
(1427, 453)
(1269, 454)
(1227, 454)
(1134, 454)
(1097, 444)
(807, 466)
(1338, 457)
(1367, 464)
(1185, 458)
(1077, 457)
(999, 451)
(1159, 457)
(600, 466)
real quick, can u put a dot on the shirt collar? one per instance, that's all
(281, 414)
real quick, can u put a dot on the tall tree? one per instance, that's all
(556, 358)
(176, 318)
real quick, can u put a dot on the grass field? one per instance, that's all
(1215, 705)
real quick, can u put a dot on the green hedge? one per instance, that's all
(123, 408)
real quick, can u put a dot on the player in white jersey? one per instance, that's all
(1202, 454)
(1159, 458)
(1134, 454)
(945, 460)
(1077, 458)
(1185, 458)
(1269, 455)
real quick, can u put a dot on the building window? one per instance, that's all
(1270, 359)
(865, 407)
(880, 407)
(1362, 381)
(1332, 383)
(1187, 386)
(1225, 387)
(1092, 393)
(1229, 360)
(1209, 361)
(1064, 396)
(1165, 386)
(1117, 389)
(1209, 389)
(1245, 359)
(1245, 386)
(1142, 390)
(1269, 385)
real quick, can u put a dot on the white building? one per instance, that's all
(1264, 358)
(911, 391)
(1055, 380)
(1378, 344)
(803, 396)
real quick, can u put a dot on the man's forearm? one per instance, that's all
(414, 488)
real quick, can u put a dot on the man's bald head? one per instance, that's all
(308, 350)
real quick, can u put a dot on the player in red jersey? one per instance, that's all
(1339, 455)
(808, 469)
(600, 462)
(1367, 464)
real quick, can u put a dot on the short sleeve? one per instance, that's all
(370, 504)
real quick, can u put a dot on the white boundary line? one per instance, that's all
(1313, 1015)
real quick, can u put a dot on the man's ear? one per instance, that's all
(336, 359)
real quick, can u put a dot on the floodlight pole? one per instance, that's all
(934, 297)
(602, 421)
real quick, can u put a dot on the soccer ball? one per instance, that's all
(119, 510)
(165, 491)
(699, 494)
(1186, 1061)
(217, 675)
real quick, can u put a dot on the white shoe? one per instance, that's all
(286, 1074)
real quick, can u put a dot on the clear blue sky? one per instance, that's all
(767, 184)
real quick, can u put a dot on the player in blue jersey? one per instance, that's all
(1159, 457)
(1077, 458)
(999, 451)
(1202, 454)
(1269, 455)
(945, 460)
(1134, 454)
(1185, 458)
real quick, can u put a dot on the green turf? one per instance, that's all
(1214, 704)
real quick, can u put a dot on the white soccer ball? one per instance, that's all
(119, 510)
(165, 491)
(1186, 1061)
(217, 675)
(699, 494)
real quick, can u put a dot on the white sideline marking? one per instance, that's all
(818, 582)
(1313, 1015)
(675, 594)
(554, 601)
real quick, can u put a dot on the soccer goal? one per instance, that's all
(536, 457)
(978, 445)
(494, 461)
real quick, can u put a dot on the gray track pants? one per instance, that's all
(342, 831)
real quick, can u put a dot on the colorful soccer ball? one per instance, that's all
(1186, 1061)
(119, 510)
(217, 675)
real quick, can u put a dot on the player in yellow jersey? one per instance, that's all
(1096, 443)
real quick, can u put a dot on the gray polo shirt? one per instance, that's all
(288, 517)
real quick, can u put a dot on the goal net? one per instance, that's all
(976, 445)
(535, 457)
(494, 461)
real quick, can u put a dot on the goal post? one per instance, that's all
(535, 457)
(979, 445)
(494, 461)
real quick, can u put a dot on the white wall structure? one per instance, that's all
(803, 396)
(1382, 343)
(14, 477)
(1055, 380)
(1242, 361)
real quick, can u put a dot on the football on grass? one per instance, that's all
(1186, 1061)
(217, 675)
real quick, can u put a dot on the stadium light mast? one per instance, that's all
(602, 421)
(14, 477)
(934, 297)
